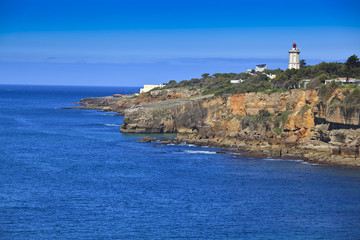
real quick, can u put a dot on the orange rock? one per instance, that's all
(311, 96)
(291, 139)
(269, 135)
(302, 133)
(236, 104)
(304, 120)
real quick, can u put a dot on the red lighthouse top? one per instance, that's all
(294, 45)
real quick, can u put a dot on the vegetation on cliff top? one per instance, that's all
(219, 83)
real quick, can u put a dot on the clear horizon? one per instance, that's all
(113, 43)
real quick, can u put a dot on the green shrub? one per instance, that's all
(279, 122)
(353, 98)
(304, 109)
(326, 90)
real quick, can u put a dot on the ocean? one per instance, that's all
(71, 174)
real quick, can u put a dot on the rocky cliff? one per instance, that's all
(294, 124)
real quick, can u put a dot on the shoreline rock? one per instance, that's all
(147, 139)
(261, 152)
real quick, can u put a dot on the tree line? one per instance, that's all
(219, 83)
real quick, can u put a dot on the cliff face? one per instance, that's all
(255, 116)
(300, 109)
(229, 112)
(278, 124)
(164, 116)
(339, 114)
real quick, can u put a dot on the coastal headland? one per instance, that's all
(297, 124)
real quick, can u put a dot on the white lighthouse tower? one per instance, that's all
(294, 55)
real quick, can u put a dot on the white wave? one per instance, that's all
(236, 153)
(185, 144)
(199, 152)
(273, 159)
(111, 125)
(300, 161)
(310, 164)
(280, 159)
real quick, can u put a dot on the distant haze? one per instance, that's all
(122, 74)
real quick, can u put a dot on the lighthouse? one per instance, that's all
(294, 55)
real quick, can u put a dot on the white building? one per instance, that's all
(261, 67)
(271, 76)
(344, 81)
(304, 82)
(147, 88)
(250, 71)
(236, 81)
(294, 58)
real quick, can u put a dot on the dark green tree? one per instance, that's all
(352, 62)
(205, 75)
(217, 75)
(172, 82)
(302, 63)
(350, 66)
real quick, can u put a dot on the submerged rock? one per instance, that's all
(167, 140)
(147, 139)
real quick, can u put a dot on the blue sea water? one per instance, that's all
(70, 174)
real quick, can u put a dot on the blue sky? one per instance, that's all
(131, 43)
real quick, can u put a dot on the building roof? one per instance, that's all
(261, 65)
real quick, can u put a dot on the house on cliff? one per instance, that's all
(147, 88)
(344, 81)
(237, 81)
(260, 67)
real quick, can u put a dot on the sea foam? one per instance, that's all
(199, 152)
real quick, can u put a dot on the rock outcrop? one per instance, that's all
(109, 104)
(118, 103)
